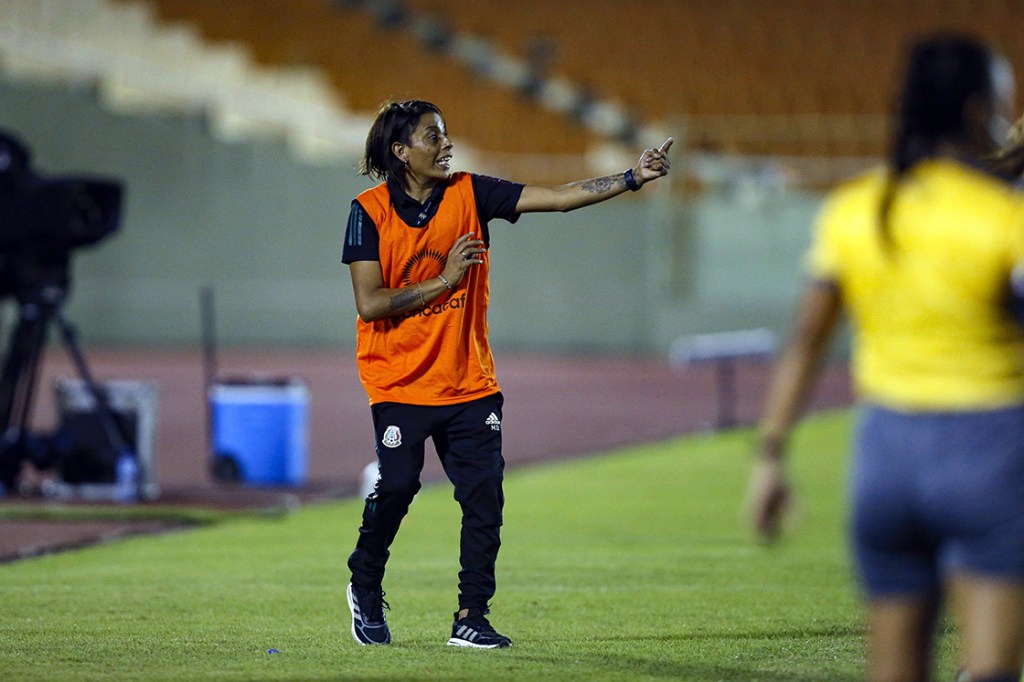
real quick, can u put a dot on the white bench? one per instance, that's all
(723, 350)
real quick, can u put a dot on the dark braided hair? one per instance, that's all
(395, 122)
(943, 76)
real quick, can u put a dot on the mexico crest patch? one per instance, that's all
(392, 437)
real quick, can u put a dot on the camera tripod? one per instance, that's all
(39, 308)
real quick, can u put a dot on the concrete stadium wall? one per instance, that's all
(265, 232)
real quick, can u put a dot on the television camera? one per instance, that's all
(43, 220)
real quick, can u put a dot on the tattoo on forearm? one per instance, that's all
(601, 185)
(403, 299)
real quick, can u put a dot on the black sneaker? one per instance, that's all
(474, 631)
(368, 623)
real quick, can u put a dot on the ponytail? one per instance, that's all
(943, 76)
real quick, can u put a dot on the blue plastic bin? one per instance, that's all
(263, 427)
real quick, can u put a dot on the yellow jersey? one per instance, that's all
(930, 328)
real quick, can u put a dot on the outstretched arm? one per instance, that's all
(795, 372)
(652, 165)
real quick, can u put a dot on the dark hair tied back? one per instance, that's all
(943, 76)
(395, 122)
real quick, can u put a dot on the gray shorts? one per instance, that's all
(937, 493)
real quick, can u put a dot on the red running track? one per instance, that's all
(555, 407)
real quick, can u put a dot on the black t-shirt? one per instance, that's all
(495, 198)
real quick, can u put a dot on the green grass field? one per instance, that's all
(630, 565)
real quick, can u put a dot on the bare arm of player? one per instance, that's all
(653, 164)
(768, 493)
(374, 301)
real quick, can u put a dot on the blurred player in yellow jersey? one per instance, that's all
(920, 256)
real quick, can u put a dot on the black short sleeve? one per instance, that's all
(496, 198)
(362, 242)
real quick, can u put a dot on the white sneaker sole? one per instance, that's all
(455, 641)
(352, 611)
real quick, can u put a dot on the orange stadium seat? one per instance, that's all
(369, 64)
(702, 61)
(713, 58)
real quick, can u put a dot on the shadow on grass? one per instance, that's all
(185, 516)
(786, 655)
(776, 656)
(32, 530)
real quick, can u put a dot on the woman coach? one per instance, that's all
(416, 246)
(921, 256)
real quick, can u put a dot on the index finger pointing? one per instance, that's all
(664, 147)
